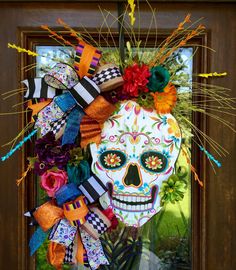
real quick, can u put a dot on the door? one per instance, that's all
(213, 212)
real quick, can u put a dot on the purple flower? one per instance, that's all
(40, 167)
(51, 153)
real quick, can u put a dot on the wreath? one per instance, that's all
(108, 134)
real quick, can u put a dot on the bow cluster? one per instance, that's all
(69, 103)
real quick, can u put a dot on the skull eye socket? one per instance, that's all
(112, 159)
(154, 161)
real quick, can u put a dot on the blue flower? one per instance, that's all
(102, 150)
(144, 188)
(174, 139)
(117, 185)
(166, 153)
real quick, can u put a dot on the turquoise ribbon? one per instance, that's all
(79, 173)
(65, 101)
(72, 126)
(37, 240)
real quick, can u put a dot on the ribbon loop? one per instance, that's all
(100, 110)
(86, 59)
(65, 102)
(47, 215)
(85, 92)
(61, 76)
(37, 88)
(108, 77)
(93, 188)
(76, 211)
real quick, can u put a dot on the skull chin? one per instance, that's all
(132, 202)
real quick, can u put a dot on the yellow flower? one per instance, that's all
(131, 14)
(174, 128)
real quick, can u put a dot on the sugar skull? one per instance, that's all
(137, 153)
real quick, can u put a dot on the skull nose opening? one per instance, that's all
(132, 176)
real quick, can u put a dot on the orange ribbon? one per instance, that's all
(47, 215)
(86, 59)
(76, 211)
(91, 125)
(80, 251)
(56, 254)
(90, 131)
(100, 109)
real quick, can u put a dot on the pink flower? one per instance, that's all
(135, 80)
(52, 181)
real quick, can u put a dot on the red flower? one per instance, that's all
(136, 79)
(111, 216)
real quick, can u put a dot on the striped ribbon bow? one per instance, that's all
(74, 223)
(83, 93)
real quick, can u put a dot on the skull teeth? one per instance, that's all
(129, 198)
(132, 203)
(134, 208)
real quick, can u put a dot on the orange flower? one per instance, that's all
(165, 101)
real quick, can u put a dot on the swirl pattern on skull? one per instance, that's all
(137, 153)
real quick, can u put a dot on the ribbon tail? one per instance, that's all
(81, 255)
(48, 114)
(72, 126)
(56, 254)
(37, 240)
(95, 253)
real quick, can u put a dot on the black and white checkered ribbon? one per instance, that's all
(69, 255)
(59, 124)
(106, 75)
(96, 222)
